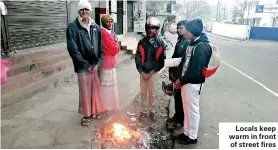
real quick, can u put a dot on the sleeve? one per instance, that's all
(100, 53)
(194, 73)
(173, 56)
(138, 58)
(110, 46)
(73, 49)
(162, 57)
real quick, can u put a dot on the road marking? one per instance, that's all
(262, 85)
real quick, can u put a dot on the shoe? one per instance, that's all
(185, 140)
(152, 116)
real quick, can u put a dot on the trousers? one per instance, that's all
(190, 98)
(147, 87)
(179, 115)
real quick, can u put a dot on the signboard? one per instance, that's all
(259, 8)
(270, 8)
(139, 11)
(267, 9)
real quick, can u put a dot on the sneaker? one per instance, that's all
(184, 139)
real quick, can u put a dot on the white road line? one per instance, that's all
(262, 85)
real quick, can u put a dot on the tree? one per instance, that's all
(197, 9)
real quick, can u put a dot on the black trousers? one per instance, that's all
(179, 115)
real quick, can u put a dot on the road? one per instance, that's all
(243, 90)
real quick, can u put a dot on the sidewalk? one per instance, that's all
(50, 119)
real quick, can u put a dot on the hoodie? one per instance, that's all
(198, 61)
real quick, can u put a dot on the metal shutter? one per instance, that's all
(36, 23)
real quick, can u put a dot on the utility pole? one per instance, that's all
(217, 10)
(225, 12)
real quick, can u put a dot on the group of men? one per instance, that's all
(187, 78)
(87, 50)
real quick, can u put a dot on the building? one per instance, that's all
(256, 16)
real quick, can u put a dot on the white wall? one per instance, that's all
(231, 30)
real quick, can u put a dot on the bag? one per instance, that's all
(214, 61)
(5, 67)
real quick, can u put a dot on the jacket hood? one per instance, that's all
(202, 38)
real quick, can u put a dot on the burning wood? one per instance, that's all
(119, 136)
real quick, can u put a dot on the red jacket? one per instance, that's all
(111, 49)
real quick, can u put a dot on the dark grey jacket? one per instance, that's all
(84, 50)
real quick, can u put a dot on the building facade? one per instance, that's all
(265, 18)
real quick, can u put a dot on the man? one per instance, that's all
(84, 45)
(175, 72)
(149, 60)
(196, 59)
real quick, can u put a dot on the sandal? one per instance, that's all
(85, 121)
(96, 116)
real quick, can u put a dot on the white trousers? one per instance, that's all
(190, 99)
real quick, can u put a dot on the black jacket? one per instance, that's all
(198, 62)
(149, 56)
(180, 50)
(84, 50)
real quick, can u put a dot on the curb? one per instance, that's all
(224, 38)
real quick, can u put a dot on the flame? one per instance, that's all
(121, 131)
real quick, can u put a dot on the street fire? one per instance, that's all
(121, 132)
(122, 136)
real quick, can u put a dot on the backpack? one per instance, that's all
(214, 61)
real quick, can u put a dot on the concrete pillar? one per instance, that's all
(124, 17)
(103, 8)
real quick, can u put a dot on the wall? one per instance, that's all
(231, 30)
(264, 33)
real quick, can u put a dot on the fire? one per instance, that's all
(121, 131)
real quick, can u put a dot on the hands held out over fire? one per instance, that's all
(147, 76)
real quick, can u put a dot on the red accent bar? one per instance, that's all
(142, 51)
(208, 73)
(158, 52)
(102, 10)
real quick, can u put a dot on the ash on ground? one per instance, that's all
(154, 134)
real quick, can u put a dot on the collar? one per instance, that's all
(197, 38)
(109, 31)
(91, 22)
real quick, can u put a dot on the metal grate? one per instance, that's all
(36, 23)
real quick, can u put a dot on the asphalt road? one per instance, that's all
(243, 90)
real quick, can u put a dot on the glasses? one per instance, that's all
(84, 9)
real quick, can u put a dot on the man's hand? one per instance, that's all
(177, 84)
(92, 70)
(144, 76)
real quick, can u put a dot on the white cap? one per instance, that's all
(84, 4)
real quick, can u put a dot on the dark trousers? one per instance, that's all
(178, 106)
